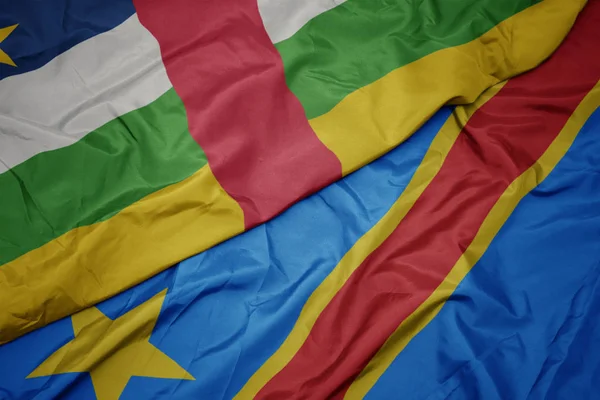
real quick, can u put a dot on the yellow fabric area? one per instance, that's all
(113, 351)
(490, 227)
(85, 265)
(5, 58)
(320, 298)
(376, 118)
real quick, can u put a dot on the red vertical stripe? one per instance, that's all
(504, 138)
(231, 80)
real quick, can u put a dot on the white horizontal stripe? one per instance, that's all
(283, 18)
(80, 90)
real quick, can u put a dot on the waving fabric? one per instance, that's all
(462, 262)
(135, 135)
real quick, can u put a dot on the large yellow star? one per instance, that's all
(113, 351)
(4, 32)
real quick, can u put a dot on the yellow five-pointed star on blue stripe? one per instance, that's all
(4, 32)
(113, 351)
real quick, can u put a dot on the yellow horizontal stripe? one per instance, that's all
(91, 263)
(376, 118)
(320, 298)
(498, 215)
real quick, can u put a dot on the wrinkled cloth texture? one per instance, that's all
(373, 200)
(89, 216)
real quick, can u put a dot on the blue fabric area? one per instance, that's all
(525, 322)
(229, 308)
(51, 27)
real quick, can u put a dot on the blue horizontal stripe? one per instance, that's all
(51, 27)
(524, 322)
(229, 308)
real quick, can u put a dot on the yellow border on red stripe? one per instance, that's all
(89, 264)
(376, 118)
(320, 298)
(496, 218)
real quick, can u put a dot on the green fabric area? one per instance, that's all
(95, 178)
(360, 41)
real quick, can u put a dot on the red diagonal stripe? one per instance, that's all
(504, 138)
(230, 77)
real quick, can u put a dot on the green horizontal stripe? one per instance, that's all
(95, 178)
(360, 41)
